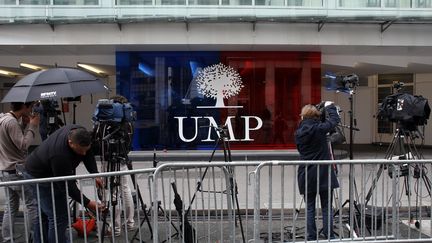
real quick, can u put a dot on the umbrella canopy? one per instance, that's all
(54, 83)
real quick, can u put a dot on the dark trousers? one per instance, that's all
(327, 214)
(54, 217)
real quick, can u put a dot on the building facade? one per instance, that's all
(150, 51)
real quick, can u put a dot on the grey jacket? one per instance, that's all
(14, 141)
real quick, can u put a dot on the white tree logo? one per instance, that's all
(218, 82)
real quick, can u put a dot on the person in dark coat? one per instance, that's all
(311, 141)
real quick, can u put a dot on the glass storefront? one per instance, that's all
(180, 97)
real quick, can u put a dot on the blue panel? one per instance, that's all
(160, 86)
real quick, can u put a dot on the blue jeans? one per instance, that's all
(327, 214)
(51, 221)
(14, 194)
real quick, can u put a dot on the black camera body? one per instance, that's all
(336, 136)
(408, 110)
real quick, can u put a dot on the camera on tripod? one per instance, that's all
(48, 109)
(408, 110)
(113, 124)
(113, 111)
(341, 83)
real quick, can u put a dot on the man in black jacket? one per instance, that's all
(59, 155)
(311, 140)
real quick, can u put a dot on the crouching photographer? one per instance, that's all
(311, 141)
(59, 155)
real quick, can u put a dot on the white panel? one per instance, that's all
(423, 86)
(338, 35)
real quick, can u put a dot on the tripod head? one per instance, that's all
(222, 130)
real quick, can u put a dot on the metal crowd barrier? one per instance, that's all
(213, 196)
(101, 222)
(381, 200)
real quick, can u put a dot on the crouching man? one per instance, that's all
(59, 155)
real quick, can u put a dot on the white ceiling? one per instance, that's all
(363, 60)
(31, 50)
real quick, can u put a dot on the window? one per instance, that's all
(423, 4)
(173, 113)
(295, 2)
(34, 2)
(134, 2)
(391, 4)
(373, 3)
(7, 2)
(76, 2)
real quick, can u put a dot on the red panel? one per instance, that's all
(276, 86)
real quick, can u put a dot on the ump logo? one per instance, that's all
(219, 82)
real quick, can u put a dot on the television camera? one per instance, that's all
(113, 123)
(405, 109)
(337, 135)
(50, 120)
(341, 83)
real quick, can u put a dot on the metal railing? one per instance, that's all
(260, 201)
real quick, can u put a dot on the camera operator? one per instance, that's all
(59, 155)
(15, 139)
(311, 141)
(49, 120)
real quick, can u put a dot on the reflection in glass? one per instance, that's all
(392, 4)
(359, 3)
(7, 2)
(270, 2)
(133, 2)
(203, 2)
(171, 2)
(34, 2)
(423, 4)
(76, 2)
(174, 112)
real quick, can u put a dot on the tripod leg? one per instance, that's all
(146, 220)
(143, 205)
(238, 210)
(374, 183)
(234, 188)
(297, 212)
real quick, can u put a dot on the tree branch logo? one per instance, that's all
(219, 82)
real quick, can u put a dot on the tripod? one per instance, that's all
(114, 141)
(352, 187)
(403, 145)
(146, 212)
(223, 138)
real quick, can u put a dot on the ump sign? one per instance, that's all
(218, 81)
(180, 96)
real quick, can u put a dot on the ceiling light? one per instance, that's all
(31, 66)
(90, 68)
(6, 73)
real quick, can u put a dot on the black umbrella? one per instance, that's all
(54, 83)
